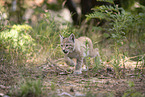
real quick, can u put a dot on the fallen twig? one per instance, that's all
(57, 68)
(135, 56)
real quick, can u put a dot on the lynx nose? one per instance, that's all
(65, 51)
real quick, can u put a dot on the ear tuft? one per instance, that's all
(72, 37)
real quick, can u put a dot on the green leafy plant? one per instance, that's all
(16, 44)
(120, 23)
(116, 21)
(29, 88)
(121, 27)
(17, 39)
(110, 1)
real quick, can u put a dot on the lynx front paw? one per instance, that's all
(77, 72)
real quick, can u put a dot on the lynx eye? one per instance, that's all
(61, 45)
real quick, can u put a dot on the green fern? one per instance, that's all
(96, 15)
(110, 1)
(120, 22)
(104, 12)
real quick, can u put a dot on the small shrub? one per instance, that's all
(17, 39)
(16, 45)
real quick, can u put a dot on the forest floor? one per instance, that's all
(98, 83)
(92, 83)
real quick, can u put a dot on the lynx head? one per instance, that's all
(67, 44)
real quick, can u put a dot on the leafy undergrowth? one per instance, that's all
(48, 81)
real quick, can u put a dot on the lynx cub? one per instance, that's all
(79, 49)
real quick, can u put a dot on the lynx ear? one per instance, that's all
(61, 38)
(72, 37)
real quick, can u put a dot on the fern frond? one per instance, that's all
(96, 15)
(104, 12)
(110, 1)
(105, 9)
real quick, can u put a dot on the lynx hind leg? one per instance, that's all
(85, 65)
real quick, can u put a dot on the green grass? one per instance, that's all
(28, 88)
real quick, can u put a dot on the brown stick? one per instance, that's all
(57, 68)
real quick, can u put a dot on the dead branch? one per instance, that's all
(57, 68)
